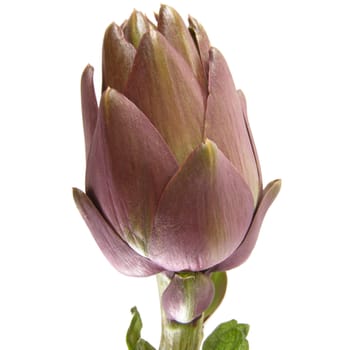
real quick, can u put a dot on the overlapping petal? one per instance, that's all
(88, 105)
(187, 296)
(164, 87)
(225, 122)
(118, 253)
(137, 25)
(242, 253)
(203, 214)
(202, 41)
(96, 180)
(245, 114)
(117, 59)
(171, 25)
(138, 165)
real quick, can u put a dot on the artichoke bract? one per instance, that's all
(173, 180)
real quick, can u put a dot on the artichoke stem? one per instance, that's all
(178, 336)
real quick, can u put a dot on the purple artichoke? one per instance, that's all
(173, 181)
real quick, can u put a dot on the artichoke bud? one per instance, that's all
(173, 179)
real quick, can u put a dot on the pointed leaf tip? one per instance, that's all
(137, 25)
(171, 25)
(88, 105)
(133, 336)
(117, 58)
(201, 40)
(134, 331)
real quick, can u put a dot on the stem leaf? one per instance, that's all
(133, 336)
(228, 336)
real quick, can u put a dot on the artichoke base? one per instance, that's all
(178, 336)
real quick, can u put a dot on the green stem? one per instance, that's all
(178, 336)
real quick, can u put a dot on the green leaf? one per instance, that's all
(144, 345)
(244, 328)
(228, 336)
(133, 336)
(134, 332)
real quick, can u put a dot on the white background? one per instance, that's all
(292, 60)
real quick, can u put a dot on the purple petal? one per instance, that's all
(203, 214)
(248, 244)
(88, 105)
(163, 86)
(137, 25)
(138, 165)
(117, 59)
(171, 25)
(118, 253)
(245, 114)
(225, 122)
(202, 41)
(187, 296)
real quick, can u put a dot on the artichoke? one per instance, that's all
(173, 181)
